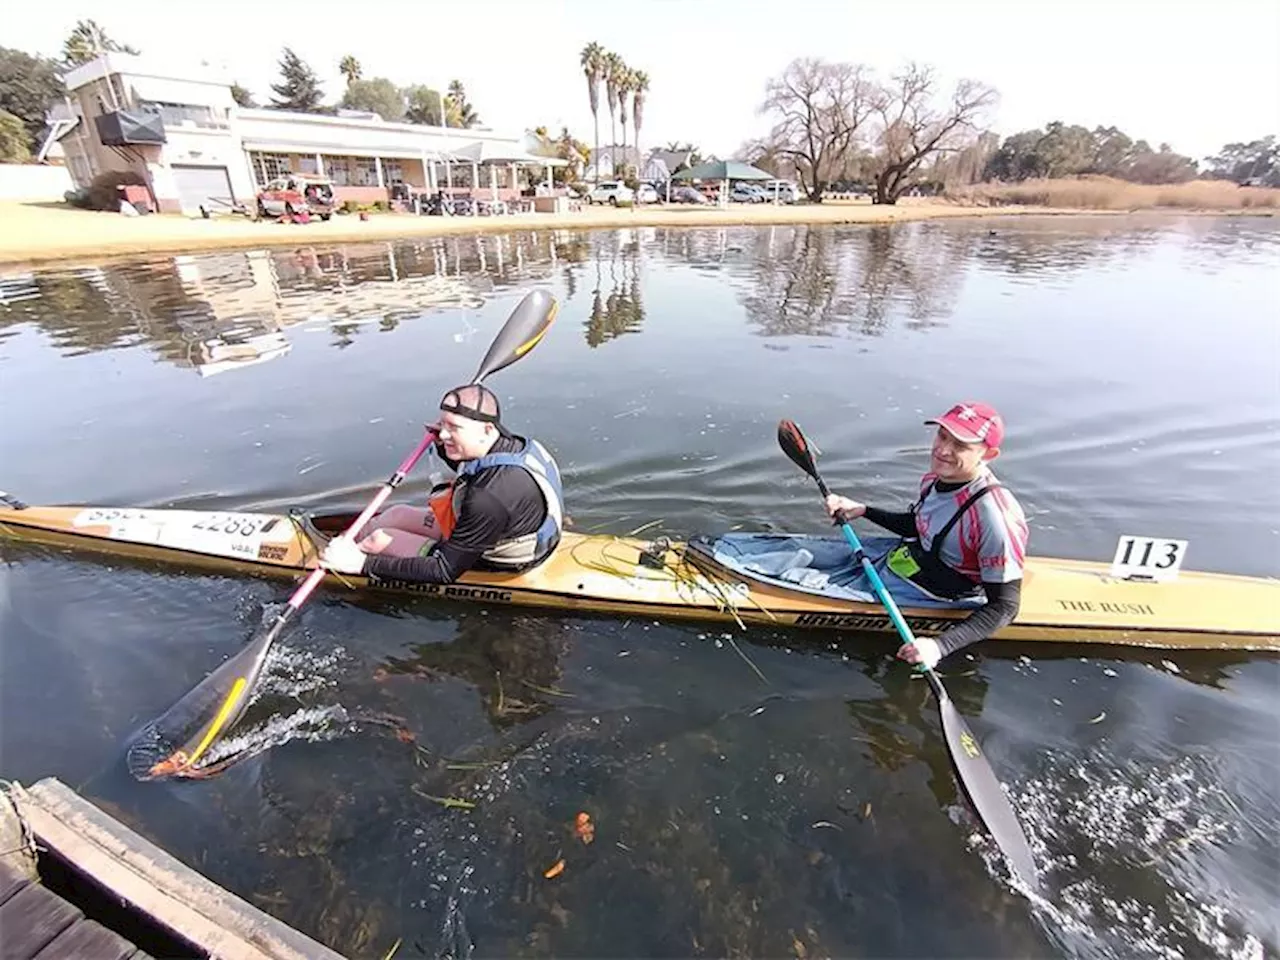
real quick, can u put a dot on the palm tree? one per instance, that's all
(349, 67)
(592, 61)
(460, 112)
(639, 84)
(613, 70)
(624, 94)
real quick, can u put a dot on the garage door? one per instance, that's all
(202, 186)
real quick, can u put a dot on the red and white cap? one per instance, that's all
(973, 422)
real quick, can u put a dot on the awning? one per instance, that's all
(724, 170)
(159, 90)
(331, 149)
(485, 151)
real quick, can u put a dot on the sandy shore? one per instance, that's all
(42, 232)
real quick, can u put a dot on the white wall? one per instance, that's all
(33, 181)
(209, 148)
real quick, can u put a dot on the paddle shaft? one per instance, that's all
(890, 606)
(313, 579)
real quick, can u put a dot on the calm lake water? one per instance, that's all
(808, 813)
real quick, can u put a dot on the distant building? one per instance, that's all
(611, 160)
(673, 160)
(178, 127)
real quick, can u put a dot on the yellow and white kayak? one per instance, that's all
(1062, 600)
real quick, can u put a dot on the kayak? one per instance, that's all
(783, 580)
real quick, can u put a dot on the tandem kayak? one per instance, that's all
(734, 577)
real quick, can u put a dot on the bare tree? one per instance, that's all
(820, 108)
(912, 129)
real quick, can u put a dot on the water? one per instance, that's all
(809, 813)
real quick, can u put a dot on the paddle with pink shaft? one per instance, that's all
(173, 744)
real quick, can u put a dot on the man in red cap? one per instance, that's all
(963, 540)
(504, 510)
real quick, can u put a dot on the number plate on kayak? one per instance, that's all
(216, 534)
(1147, 558)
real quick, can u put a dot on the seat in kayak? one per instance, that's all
(821, 565)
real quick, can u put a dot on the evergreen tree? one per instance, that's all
(300, 90)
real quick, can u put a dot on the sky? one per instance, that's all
(1196, 75)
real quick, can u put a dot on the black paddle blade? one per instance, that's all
(794, 445)
(523, 330)
(174, 744)
(984, 791)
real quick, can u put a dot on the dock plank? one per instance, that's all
(31, 919)
(88, 939)
(10, 882)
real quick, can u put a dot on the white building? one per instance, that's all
(178, 127)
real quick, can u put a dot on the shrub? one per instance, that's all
(1107, 193)
(104, 192)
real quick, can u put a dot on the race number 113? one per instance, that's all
(1148, 558)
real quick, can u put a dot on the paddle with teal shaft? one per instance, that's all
(976, 775)
(173, 744)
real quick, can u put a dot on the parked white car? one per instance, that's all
(787, 191)
(611, 191)
(647, 194)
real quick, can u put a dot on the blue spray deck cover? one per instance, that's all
(819, 564)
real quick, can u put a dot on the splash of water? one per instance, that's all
(310, 724)
(1104, 829)
(287, 673)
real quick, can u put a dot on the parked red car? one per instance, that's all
(297, 193)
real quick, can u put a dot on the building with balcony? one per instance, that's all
(178, 127)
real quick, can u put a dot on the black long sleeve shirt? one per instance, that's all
(497, 504)
(1003, 599)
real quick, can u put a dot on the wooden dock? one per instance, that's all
(37, 924)
(77, 883)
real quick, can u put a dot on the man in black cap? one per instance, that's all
(504, 511)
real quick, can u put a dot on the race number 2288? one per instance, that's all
(1148, 558)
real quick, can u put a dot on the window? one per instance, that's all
(459, 175)
(339, 171)
(364, 172)
(352, 171)
(268, 166)
(182, 114)
(307, 165)
(391, 171)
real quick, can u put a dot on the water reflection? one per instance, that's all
(220, 311)
(211, 312)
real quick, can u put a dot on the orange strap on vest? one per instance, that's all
(441, 504)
